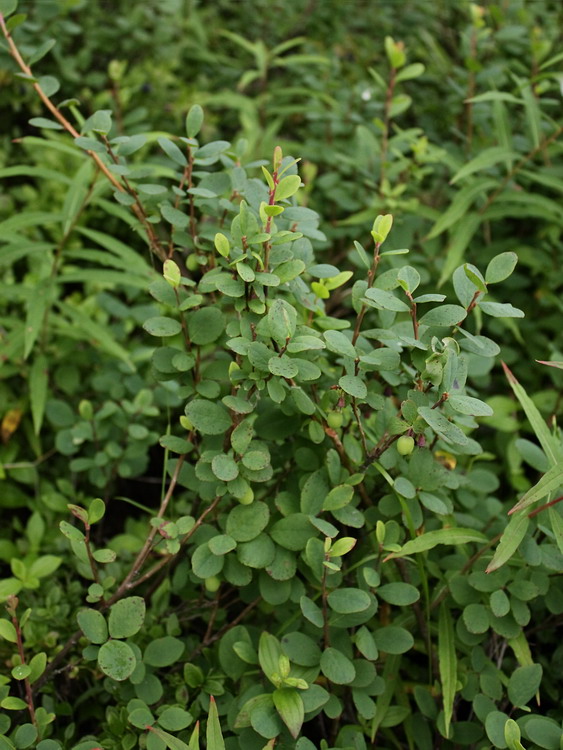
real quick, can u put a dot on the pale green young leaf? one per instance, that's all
(512, 735)
(287, 187)
(289, 706)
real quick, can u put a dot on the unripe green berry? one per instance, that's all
(334, 419)
(192, 262)
(247, 498)
(212, 584)
(405, 445)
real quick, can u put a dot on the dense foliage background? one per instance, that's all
(292, 502)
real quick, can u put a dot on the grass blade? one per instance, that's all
(447, 661)
(548, 442)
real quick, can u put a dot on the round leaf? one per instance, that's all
(117, 660)
(126, 617)
(162, 326)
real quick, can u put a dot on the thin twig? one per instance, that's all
(14, 51)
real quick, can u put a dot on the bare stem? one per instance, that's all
(371, 278)
(11, 607)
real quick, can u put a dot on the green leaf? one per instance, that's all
(25, 736)
(205, 325)
(194, 739)
(99, 122)
(442, 427)
(13, 704)
(37, 666)
(36, 308)
(172, 151)
(7, 7)
(71, 532)
(512, 735)
(485, 160)
(550, 444)
(458, 243)
(224, 467)
(444, 316)
(246, 522)
(431, 539)
(8, 631)
(269, 653)
(161, 326)
(510, 540)
(93, 624)
(45, 124)
(476, 618)
(126, 617)
(82, 326)
(282, 320)
(393, 639)
(500, 267)
(386, 300)
(399, 594)
(38, 383)
(548, 483)
(194, 120)
(460, 205)
(96, 511)
(117, 660)
(173, 216)
(409, 72)
(349, 600)
(171, 742)
(447, 660)
(289, 705)
(353, 385)
(338, 497)
(556, 526)
(222, 245)
(523, 684)
(208, 417)
(544, 732)
(340, 344)
(283, 366)
(141, 718)
(287, 187)
(175, 719)
(336, 667)
(501, 310)
(468, 405)
(162, 652)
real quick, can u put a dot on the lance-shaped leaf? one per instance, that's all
(548, 483)
(214, 736)
(511, 538)
(447, 660)
(289, 705)
(441, 536)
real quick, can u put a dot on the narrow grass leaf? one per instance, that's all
(447, 660)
